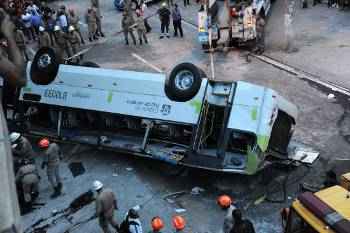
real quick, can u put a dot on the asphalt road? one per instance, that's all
(322, 125)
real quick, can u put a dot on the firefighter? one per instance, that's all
(96, 5)
(260, 35)
(27, 178)
(74, 20)
(106, 203)
(157, 225)
(179, 223)
(52, 162)
(61, 41)
(225, 202)
(127, 25)
(131, 223)
(164, 17)
(92, 25)
(44, 38)
(74, 40)
(241, 225)
(141, 28)
(21, 42)
(21, 146)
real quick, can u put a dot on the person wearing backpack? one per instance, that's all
(132, 223)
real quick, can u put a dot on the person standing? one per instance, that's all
(28, 178)
(96, 6)
(127, 25)
(106, 203)
(144, 12)
(260, 35)
(176, 15)
(21, 146)
(61, 41)
(63, 21)
(91, 22)
(44, 38)
(241, 225)
(74, 40)
(164, 16)
(27, 21)
(21, 43)
(141, 28)
(52, 162)
(74, 20)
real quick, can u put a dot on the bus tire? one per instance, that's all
(44, 67)
(183, 83)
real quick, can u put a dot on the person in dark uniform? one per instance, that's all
(164, 16)
(241, 225)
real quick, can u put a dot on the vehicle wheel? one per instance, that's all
(183, 83)
(90, 64)
(44, 67)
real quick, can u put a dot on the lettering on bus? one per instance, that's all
(55, 94)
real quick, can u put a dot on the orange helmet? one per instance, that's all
(224, 201)
(179, 222)
(157, 224)
(44, 143)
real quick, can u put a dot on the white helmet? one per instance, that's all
(13, 146)
(41, 29)
(71, 28)
(57, 28)
(97, 185)
(14, 137)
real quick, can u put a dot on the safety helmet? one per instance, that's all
(133, 213)
(97, 185)
(179, 222)
(14, 146)
(56, 28)
(14, 136)
(41, 29)
(224, 201)
(71, 28)
(164, 4)
(157, 224)
(44, 143)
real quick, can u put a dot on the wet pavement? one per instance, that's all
(322, 124)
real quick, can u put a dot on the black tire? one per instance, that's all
(44, 75)
(172, 89)
(90, 64)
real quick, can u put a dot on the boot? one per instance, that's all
(59, 187)
(90, 39)
(140, 42)
(56, 193)
(127, 42)
(146, 41)
(103, 35)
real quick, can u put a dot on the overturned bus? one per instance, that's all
(183, 118)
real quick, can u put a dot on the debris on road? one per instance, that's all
(197, 190)
(180, 210)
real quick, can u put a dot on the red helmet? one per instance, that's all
(224, 201)
(44, 143)
(179, 222)
(157, 224)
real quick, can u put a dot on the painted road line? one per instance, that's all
(302, 74)
(147, 63)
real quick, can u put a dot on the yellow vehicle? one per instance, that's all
(327, 212)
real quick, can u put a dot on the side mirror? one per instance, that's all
(44, 67)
